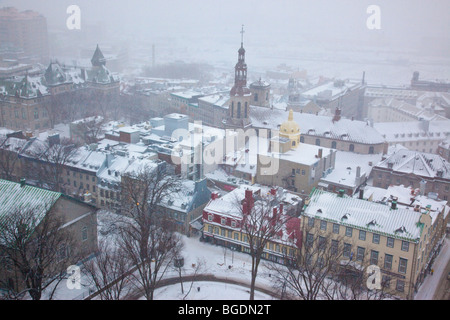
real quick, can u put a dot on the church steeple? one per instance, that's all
(98, 59)
(240, 94)
(240, 71)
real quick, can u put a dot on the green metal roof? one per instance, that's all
(14, 196)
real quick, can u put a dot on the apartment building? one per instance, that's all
(397, 240)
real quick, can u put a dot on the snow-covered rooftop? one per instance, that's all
(366, 215)
(316, 125)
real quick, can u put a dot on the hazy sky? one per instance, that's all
(400, 19)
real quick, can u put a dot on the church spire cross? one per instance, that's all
(242, 36)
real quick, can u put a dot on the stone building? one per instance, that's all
(291, 164)
(397, 240)
(325, 131)
(428, 172)
(80, 220)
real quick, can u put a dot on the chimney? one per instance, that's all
(273, 191)
(337, 115)
(281, 208)
(361, 194)
(248, 202)
(23, 182)
(214, 196)
(341, 193)
(275, 212)
(394, 205)
(320, 153)
(422, 185)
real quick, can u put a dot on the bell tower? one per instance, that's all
(240, 95)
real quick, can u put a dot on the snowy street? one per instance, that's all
(431, 283)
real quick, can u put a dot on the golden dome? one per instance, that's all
(290, 126)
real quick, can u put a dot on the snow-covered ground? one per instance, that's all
(208, 291)
(224, 264)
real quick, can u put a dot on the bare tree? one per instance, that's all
(325, 268)
(91, 130)
(48, 161)
(149, 238)
(108, 271)
(38, 249)
(262, 222)
(162, 246)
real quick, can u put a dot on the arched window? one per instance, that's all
(239, 110)
(351, 148)
(256, 97)
(333, 145)
(246, 110)
(302, 139)
(232, 109)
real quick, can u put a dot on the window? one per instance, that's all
(362, 235)
(303, 172)
(400, 286)
(405, 246)
(317, 142)
(333, 145)
(222, 232)
(334, 246)
(371, 150)
(84, 233)
(233, 224)
(322, 243)
(390, 242)
(360, 253)
(309, 239)
(386, 282)
(402, 265)
(223, 221)
(351, 148)
(323, 225)
(210, 216)
(388, 261)
(335, 228)
(36, 113)
(348, 231)
(376, 238)
(236, 236)
(310, 222)
(374, 257)
(347, 250)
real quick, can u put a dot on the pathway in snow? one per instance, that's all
(431, 283)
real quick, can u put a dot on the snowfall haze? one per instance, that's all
(323, 37)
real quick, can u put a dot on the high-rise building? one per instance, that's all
(23, 34)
